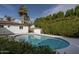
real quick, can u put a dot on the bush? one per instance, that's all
(13, 47)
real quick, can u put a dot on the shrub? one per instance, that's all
(14, 47)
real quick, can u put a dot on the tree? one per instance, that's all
(69, 13)
(67, 26)
(24, 15)
(54, 15)
(9, 18)
(48, 17)
(60, 14)
(22, 10)
(77, 10)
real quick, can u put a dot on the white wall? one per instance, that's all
(33, 26)
(37, 31)
(17, 30)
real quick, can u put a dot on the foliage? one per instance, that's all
(60, 24)
(22, 10)
(77, 10)
(69, 13)
(60, 14)
(14, 47)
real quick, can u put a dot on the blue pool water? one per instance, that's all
(52, 42)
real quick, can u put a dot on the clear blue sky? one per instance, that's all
(34, 10)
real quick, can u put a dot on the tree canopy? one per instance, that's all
(65, 24)
(22, 10)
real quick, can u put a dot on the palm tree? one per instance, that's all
(23, 14)
(22, 10)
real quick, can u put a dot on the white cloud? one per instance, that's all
(63, 7)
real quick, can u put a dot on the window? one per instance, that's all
(21, 27)
(1, 26)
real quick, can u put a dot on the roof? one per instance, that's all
(10, 23)
(4, 31)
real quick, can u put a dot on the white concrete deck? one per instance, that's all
(73, 48)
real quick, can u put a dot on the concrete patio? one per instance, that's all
(73, 47)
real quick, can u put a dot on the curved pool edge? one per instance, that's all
(52, 36)
(73, 48)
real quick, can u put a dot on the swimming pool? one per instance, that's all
(39, 40)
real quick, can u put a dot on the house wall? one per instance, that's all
(37, 31)
(17, 30)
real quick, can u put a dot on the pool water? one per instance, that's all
(39, 40)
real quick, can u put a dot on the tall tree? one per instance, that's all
(69, 13)
(23, 14)
(77, 10)
(22, 10)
